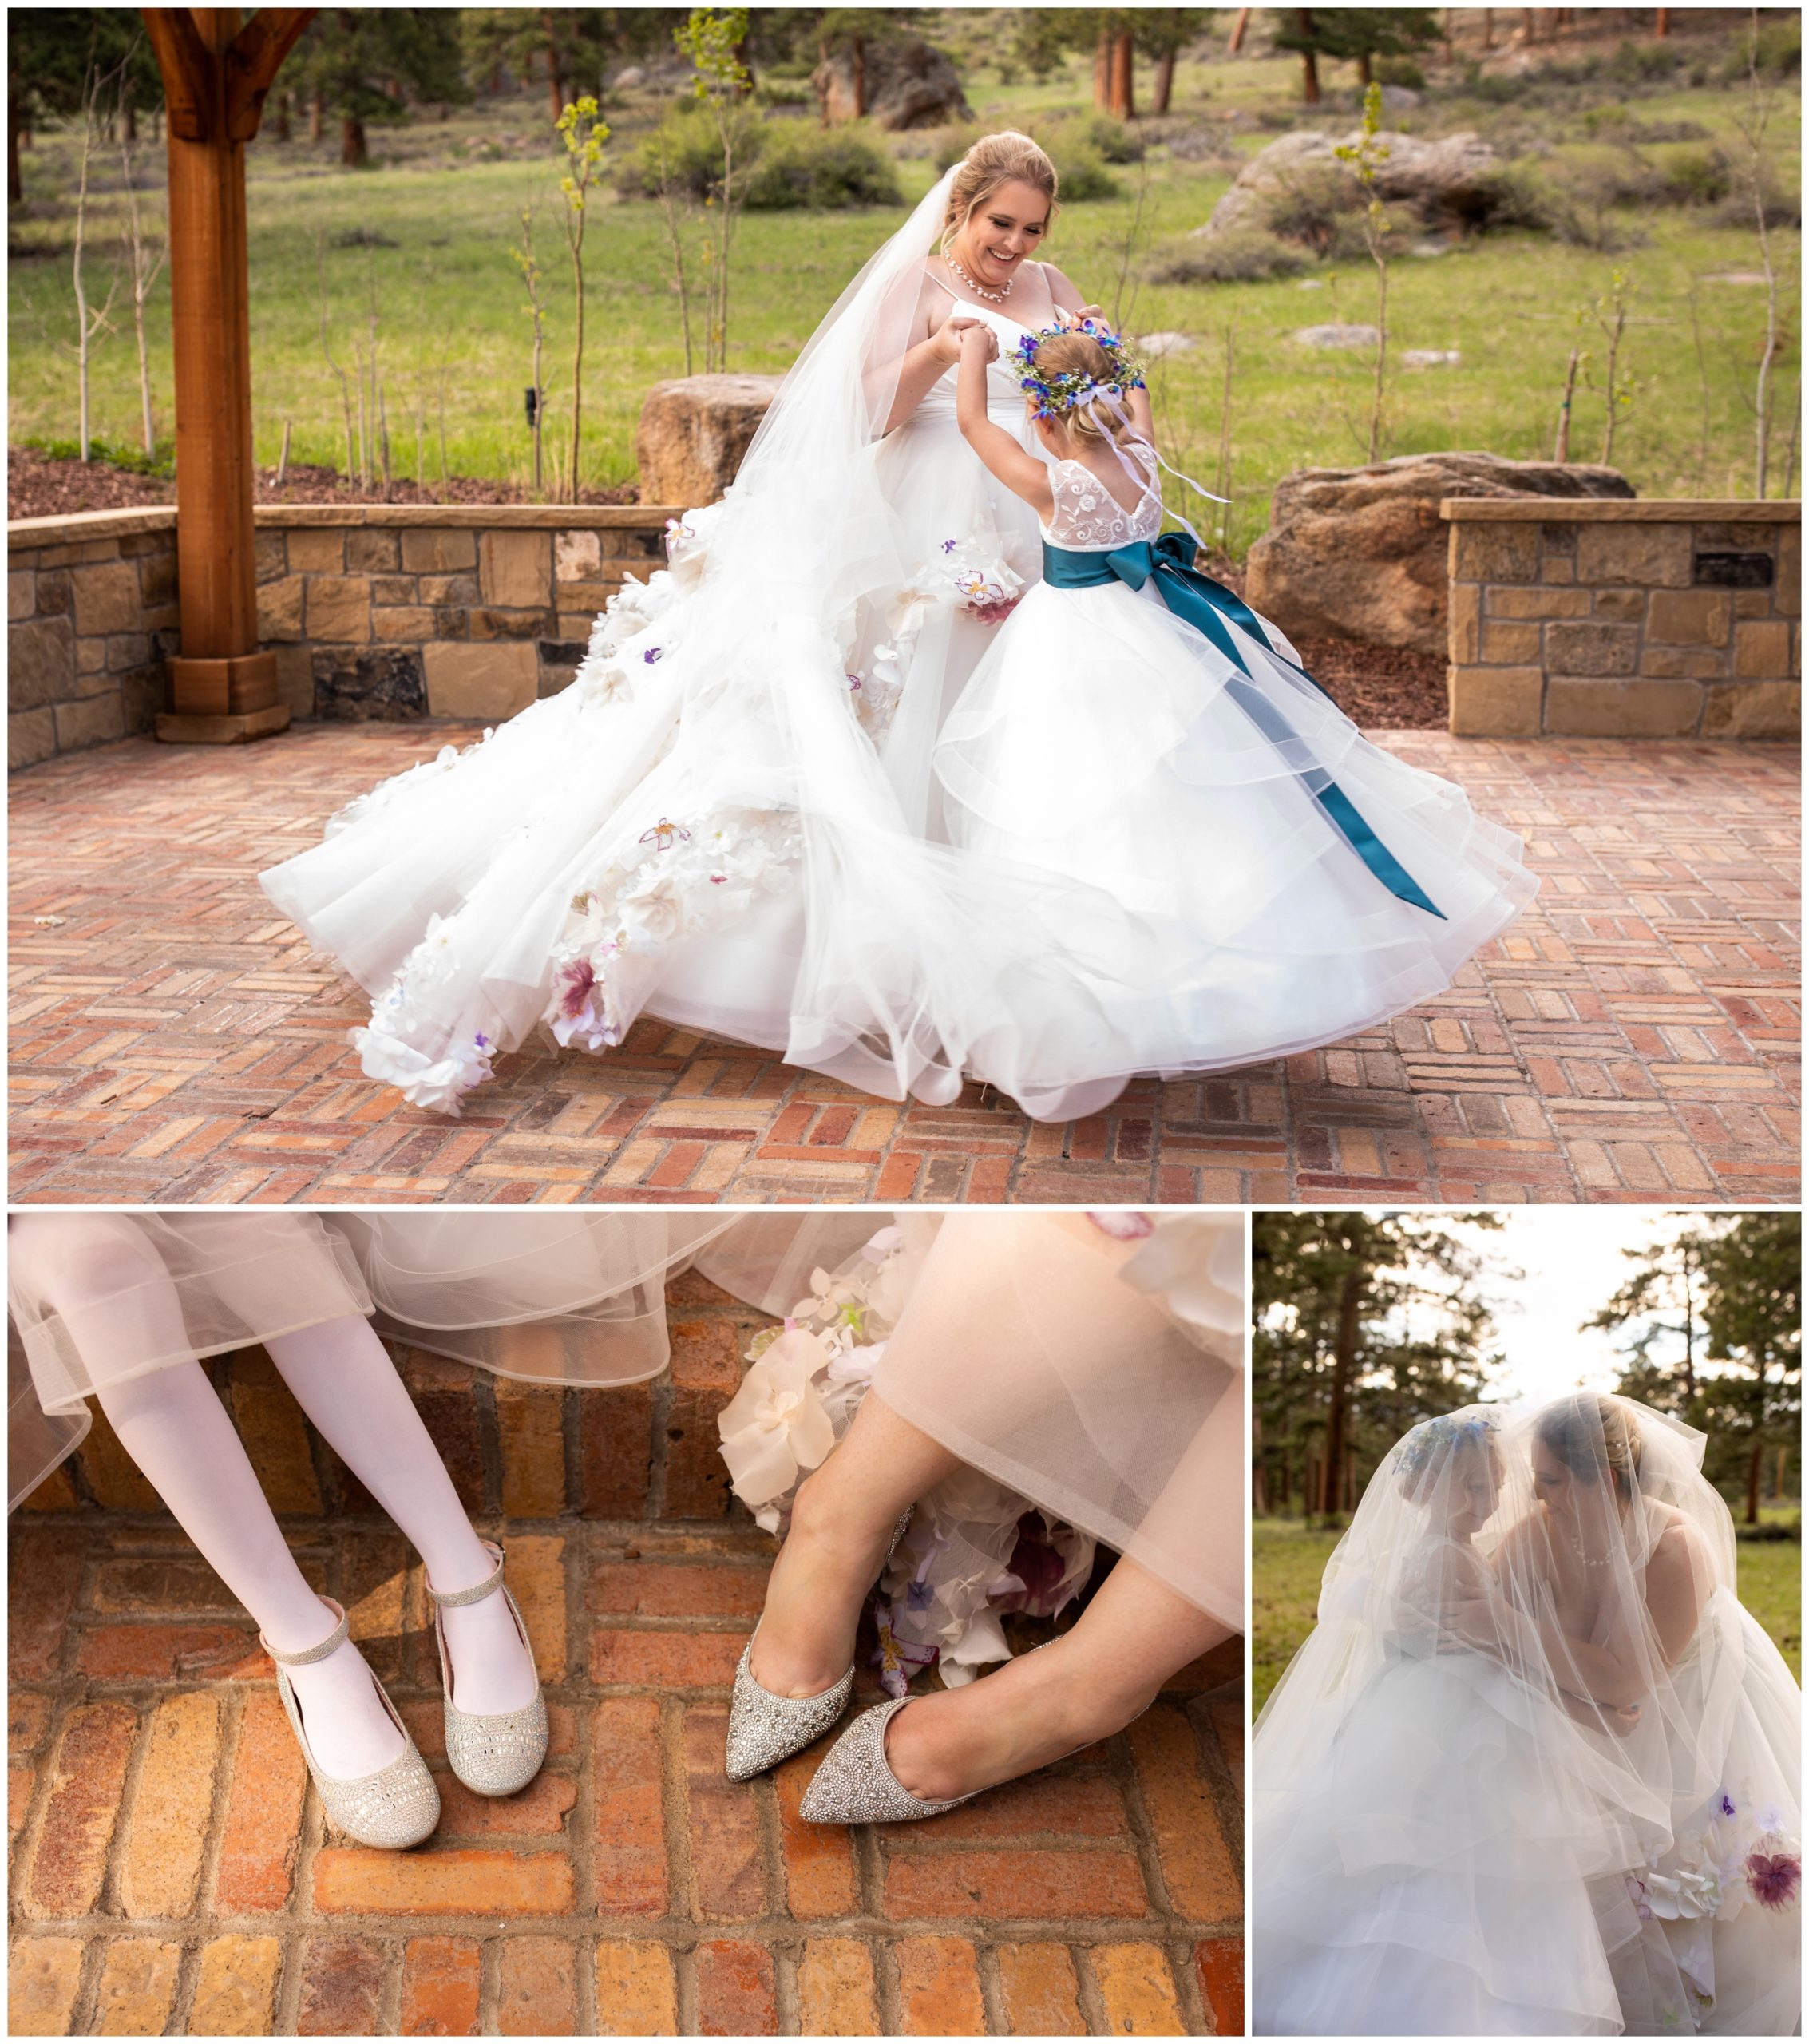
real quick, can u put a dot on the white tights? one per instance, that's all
(173, 1426)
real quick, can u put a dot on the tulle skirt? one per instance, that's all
(1099, 739)
(1092, 1366)
(1456, 1862)
(1431, 1874)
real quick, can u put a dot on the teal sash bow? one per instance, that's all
(1198, 600)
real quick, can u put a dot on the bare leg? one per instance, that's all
(1084, 1685)
(344, 1380)
(841, 1526)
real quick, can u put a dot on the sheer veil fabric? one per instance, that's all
(1536, 1770)
(1096, 1373)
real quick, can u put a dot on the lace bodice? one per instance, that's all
(1088, 519)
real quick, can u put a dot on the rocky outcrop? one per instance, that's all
(909, 84)
(693, 434)
(1361, 553)
(1433, 177)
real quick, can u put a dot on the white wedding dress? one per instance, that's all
(1449, 1838)
(772, 805)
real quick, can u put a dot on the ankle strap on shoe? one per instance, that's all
(451, 1599)
(334, 1641)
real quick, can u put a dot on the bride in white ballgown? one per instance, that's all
(1536, 1771)
(738, 817)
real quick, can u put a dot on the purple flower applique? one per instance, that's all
(918, 1595)
(651, 654)
(579, 982)
(1726, 1805)
(1773, 1878)
(897, 1659)
(948, 546)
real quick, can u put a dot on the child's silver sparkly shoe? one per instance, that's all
(396, 1807)
(498, 1752)
(765, 1729)
(856, 1784)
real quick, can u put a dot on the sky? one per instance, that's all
(1571, 1257)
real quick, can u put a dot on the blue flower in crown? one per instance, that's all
(1441, 1436)
(1055, 394)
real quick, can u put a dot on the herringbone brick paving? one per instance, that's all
(1635, 1037)
(172, 1870)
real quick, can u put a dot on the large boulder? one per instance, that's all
(1361, 553)
(1434, 178)
(693, 433)
(910, 84)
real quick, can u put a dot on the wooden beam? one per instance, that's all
(253, 61)
(187, 65)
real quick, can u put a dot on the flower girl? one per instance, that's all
(1137, 727)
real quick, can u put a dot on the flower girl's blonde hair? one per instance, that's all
(1061, 353)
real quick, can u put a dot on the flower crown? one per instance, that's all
(1062, 392)
(1434, 1436)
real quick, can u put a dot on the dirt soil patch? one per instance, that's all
(44, 486)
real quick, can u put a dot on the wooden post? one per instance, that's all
(223, 691)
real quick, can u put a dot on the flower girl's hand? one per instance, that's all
(978, 338)
(1071, 319)
(947, 339)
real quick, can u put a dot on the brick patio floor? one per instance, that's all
(1634, 1038)
(170, 1871)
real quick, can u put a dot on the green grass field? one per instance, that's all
(1288, 1559)
(451, 329)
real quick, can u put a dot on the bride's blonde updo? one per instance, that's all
(1594, 1437)
(996, 160)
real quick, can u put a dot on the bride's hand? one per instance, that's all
(946, 340)
(1071, 319)
(979, 339)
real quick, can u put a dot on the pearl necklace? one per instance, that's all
(979, 289)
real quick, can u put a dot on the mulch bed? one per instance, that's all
(1380, 687)
(43, 486)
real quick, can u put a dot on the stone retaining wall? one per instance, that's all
(1641, 619)
(373, 610)
(90, 620)
(641, 1451)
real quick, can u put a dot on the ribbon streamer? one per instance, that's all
(1206, 604)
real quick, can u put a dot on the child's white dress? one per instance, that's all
(1105, 738)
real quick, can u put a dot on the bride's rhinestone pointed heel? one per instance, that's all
(764, 1728)
(856, 1784)
(492, 1752)
(395, 1808)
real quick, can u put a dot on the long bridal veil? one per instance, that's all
(708, 825)
(1535, 1770)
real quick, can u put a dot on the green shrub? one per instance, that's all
(1779, 53)
(1399, 71)
(1083, 175)
(1506, 196)
(1310, 206)
(1698, 177)
(1109, 139)
(117, 454)
(1080, 169)
(1243, 255)
(802, 167)
(693, 157)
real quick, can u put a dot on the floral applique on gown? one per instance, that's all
(753, 814)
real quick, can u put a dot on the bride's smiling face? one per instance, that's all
(1553, 1485)
(1002, 232)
